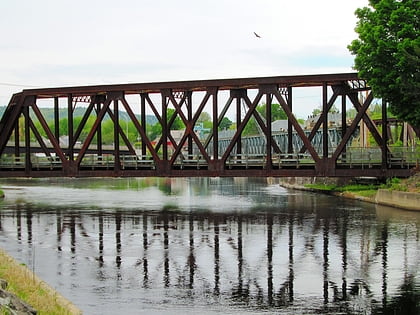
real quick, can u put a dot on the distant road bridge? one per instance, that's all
(27, 150)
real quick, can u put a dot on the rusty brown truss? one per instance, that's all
(25, 152)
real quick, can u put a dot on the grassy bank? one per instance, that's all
(1, 194)
(411, 184)
(357, 189)
(24, 284)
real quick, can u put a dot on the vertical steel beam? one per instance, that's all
(325, 111)
(384, 135)
(116, 136)
(289, 123)
(70, 127)
(238, 121)
(99, 131)
(17, 140)
(143, 121)
(28, 166)
(56, 119)
(343, 115)
(165, 131)
(215, 125)
(190, 119)
(268, 116)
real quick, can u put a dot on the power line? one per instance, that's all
(19, 85)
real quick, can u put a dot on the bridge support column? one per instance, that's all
(26, 105)
(289, 100)
(116, 137)
(385, 163)
(325, 110)
(70, 126)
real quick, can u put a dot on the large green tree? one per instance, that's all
(387, 54)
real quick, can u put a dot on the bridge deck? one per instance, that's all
(242, 165)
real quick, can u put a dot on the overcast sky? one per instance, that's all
(46, 43)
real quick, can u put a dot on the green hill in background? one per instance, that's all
(48, 114)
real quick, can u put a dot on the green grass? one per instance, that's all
(369, 190)
(395, 184)
(358, 189)
(321, 187)
(32, 290)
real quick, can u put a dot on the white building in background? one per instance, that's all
(334, 119)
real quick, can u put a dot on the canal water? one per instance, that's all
(211, 246)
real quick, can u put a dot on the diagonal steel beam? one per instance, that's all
(321, 119)
(39, 138)
(361, 111)
(121, 132)
(92, 132)
(263, 126)
(369, 123)
(189, 131)
(9, 119)
(140, 129)
(219, 120)
(242, 125)
(296, 125)
(166, 133)
(50, 135)
(83, 122)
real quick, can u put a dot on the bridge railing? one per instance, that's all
(360, 157)
(246, 160)
(191, 161)
(398, 157)
(292, 160)
(12, 162)
(137, 162)
(404, 157)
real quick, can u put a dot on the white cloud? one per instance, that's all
(53, 43)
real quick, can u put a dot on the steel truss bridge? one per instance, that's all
(191, 155)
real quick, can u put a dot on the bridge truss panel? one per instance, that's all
(104, 131)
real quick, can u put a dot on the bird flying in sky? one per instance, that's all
(258, 36)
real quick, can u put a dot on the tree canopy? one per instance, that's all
(387, 54)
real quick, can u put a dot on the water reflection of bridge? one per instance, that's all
(221, 255)
(298, 155)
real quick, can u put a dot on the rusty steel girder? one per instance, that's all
(30, 144)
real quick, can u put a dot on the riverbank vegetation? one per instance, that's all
(32, 290)
(411, 184)
(359, 189)
(387, 54)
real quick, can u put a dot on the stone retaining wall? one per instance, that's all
(399, 199)
(392, 198)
